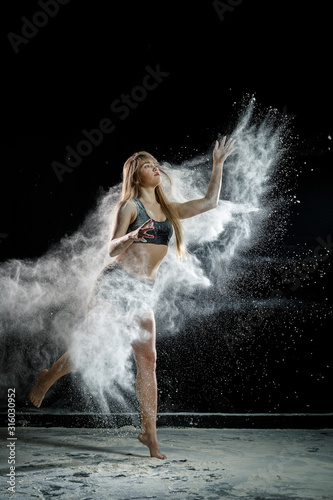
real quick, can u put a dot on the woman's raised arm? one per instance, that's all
(210, 200)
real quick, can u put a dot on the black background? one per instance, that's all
(66, 77)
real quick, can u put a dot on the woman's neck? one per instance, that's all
(148, 194)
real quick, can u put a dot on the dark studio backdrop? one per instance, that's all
(69, 73)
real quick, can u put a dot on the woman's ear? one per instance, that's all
(137, 180)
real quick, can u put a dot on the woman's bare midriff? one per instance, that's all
(142, 260)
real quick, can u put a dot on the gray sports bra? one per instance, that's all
(162, 231)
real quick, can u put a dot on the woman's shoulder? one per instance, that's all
(123, 205)
(128, 207)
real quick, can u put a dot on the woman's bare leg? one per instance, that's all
(46, 378)
(146, 386)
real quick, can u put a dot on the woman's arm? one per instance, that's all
(210, 200)
(119, 240)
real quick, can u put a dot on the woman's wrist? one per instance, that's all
(131, 236)
(217, 163)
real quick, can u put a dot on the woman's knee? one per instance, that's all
(145, 349)
(146, 322)
(145, 357)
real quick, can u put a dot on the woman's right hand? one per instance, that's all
(141, 234)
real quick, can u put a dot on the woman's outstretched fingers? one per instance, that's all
(224, 149)
(142, 230)
(230, 145)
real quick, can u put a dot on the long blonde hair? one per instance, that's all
(131, 190)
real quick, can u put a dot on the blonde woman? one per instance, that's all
(142, 226)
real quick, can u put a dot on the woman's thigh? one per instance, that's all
(146, 345)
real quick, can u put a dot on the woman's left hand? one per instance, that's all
(223, 150)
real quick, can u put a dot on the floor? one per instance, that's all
(251, 464)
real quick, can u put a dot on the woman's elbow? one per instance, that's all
(212, 204)
(113, 253)
(112, 250)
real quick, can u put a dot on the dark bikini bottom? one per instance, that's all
(120, 289)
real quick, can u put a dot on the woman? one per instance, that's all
(142, 226)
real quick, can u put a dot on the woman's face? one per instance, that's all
(149, 174)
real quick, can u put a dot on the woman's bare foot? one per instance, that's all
(152, 444)
(39, 389)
